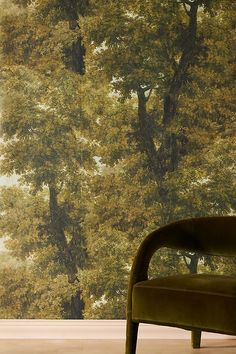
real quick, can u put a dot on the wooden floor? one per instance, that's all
(152, 346)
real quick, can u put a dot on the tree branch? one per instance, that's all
(149, 94)
(185, 261)
(170, 57)
(185, 8)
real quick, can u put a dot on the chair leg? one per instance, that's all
(196, 338)
(131, 337)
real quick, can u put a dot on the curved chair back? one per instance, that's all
(208, 235)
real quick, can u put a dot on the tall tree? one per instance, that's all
(157, 50)
(43, 120)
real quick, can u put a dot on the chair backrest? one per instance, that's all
(207, 235)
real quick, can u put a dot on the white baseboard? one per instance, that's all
(88, 329)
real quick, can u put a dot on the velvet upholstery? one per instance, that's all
(196, 301)
(188, 301)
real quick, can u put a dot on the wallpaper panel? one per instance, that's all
(116, 118)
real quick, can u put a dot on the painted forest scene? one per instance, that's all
(116, 118)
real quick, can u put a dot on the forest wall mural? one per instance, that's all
(117, 117)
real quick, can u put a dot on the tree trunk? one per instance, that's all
(193, 264)
(66, 257)
(171, 98)
(76, 52)
(169, 152)
(147, 144)
(75, 61)
(167, 157)
(57, 230)
(74, 308)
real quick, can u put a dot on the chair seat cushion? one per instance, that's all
(203, 301)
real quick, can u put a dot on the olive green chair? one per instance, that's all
(195, 302)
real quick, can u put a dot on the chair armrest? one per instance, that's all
(175, 235)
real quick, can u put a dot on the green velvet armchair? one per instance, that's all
(195, 302)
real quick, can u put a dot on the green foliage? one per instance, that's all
(25, 293)
(135, 39)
